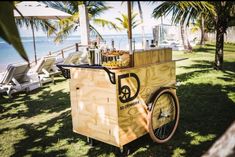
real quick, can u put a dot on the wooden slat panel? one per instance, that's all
(151, 78)
(152, 56)
(89, 126)
(90, 77)
(96, 109)
(93, 103)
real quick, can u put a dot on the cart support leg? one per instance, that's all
(122, 151)
(90, 141)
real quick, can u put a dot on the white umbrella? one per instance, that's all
(35, 10)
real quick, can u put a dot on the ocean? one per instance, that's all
(44, 45)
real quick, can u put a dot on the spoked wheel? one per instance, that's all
(163, 117)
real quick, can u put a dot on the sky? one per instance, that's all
(111, 14)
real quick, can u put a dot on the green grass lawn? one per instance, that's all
(39, 124)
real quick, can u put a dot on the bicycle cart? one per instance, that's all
(117, 106)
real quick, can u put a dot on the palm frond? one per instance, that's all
(183, 11)
(106, 23)
(96, 32)
(123, 20)
(63, 33)
(68, 25)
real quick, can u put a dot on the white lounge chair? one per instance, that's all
(45, 69)
(16, 79)
(72, 58)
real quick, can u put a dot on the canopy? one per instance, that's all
(35, 10)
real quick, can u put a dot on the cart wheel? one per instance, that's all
(163, 117)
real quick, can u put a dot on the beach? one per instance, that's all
(44, 45)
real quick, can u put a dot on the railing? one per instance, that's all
(61, 52)
(72, 48)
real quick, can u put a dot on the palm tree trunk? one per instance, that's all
(219, 51)
(189, 47)
(142, 24)
(221, 26)
(202, 27)
(182, 35)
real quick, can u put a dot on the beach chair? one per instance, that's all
(72, 58)
(46, 70)
(16, 79)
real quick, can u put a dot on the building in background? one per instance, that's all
(166, 35)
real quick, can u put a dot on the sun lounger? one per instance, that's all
(72, 58)
(16, 79)
(45, 69)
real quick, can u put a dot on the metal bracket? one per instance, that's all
(111, 75)
(65, 72)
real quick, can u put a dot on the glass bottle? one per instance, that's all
(152, 44)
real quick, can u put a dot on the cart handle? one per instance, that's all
(66, 71)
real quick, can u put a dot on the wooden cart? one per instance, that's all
(120, 105)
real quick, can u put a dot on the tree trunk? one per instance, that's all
(221, 27)
(189, 47)
(202, 27)
(182, 35)
(142, 24)
(219, 51)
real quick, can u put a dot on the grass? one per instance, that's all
(40, 124)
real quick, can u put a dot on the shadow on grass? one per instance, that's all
(210, 48)
(38, 139)
(204, 49)
(46, 101)
(205, 67)
(205, 113)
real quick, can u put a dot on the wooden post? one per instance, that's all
(62, 53)
(34, 44)
(130, 33)
(76, 46)
(84, 24)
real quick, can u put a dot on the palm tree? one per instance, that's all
(124, 21)
(221, 14)
(225, 17)
(69, 25)
(202, 28)
(141, 20)
(183, 12)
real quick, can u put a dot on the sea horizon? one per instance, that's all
(44, 44)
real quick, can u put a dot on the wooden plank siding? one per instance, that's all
(97, 111)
